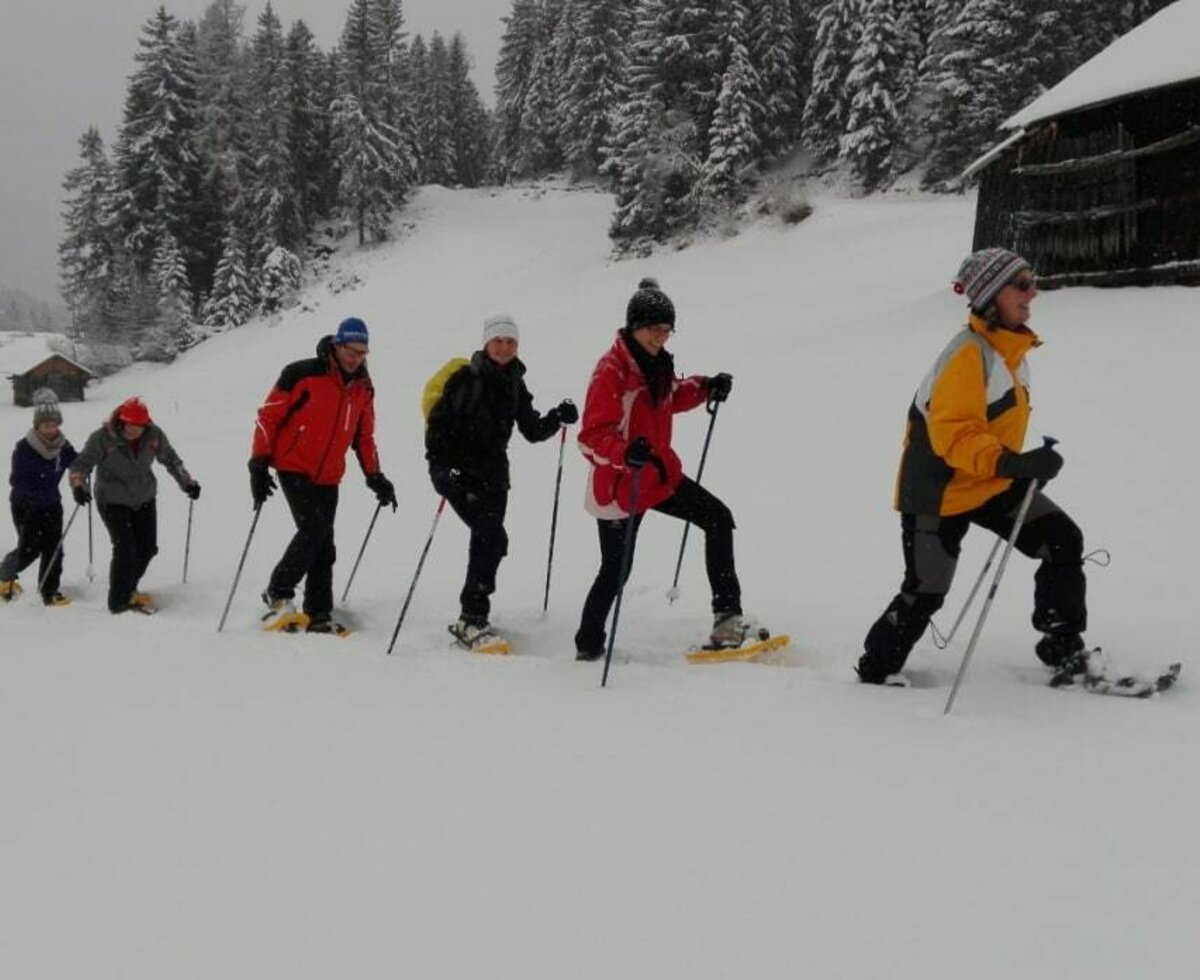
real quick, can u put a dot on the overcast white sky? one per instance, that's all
(63, 67)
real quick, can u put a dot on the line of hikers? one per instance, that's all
(962, 464)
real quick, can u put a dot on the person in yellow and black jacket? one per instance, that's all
(963, 464)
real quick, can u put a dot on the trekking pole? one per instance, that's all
(370, 528)
(57, 548)
(626, 561)
(940, 641)
(417, 574)
(987, 604)
(241, 563)
(562, 442)
(711, 408)
(187, 541)
(91, 572)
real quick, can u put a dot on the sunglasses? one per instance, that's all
(1024, 285)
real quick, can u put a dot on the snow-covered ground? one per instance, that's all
(179, 803)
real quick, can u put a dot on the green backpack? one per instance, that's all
(432, 392)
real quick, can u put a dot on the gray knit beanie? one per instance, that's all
(45, 407)
(984, 273)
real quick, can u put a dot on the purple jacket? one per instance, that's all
(34, 478)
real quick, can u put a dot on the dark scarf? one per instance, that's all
(658, 370)
(47, 450)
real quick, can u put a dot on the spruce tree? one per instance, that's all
(172, 331)
(592, 83)
(825, 112)
(276, 213)
(733, 142)
(875, 97)
(520, 49)
(437, 137)
(468, 118)
(85, 252)
(772, 43)
(231, 302)
(308, 128)
(157, 173)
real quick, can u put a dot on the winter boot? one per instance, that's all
(10, 588)
(471, 634)
(325, 624)
(142, 602)
(729, 631)
(277, 608)
(55, 599)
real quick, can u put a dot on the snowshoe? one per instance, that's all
(478, 637)
(736, 638)
(55, 599)
(1094, 672)
(9, 589)
(326, 625)
(281, 615)
(143, 602)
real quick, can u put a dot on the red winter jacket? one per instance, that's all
(618, 410)
(313, 415)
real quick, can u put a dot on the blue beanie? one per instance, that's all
(351, 331)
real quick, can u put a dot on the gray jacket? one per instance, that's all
(123, 474)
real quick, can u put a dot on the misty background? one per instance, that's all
(64, 67)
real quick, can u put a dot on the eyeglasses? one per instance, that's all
(1024, 285)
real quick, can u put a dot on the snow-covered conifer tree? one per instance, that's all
(591, 87)
(85, 252)
(520, 48)
(308, 127)
(772, 41)
(733, 143)
(156, 167)
(839, 25)
(875, 97)
(468, 118)
(278, 280)
(231, 302)
(173, 330)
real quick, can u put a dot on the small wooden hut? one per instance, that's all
(60, 374)
(1098, 180)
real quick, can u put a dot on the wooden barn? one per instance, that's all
(1098, 181)
(60, 374)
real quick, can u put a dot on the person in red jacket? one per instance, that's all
(626, 430)
(318, 410)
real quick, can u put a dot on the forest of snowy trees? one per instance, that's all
(235, 148)
(681, 103)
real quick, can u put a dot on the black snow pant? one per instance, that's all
(692, 503)
(311, 551)
(38, 532)
(134, 534)
(483, 512)
(931, 548)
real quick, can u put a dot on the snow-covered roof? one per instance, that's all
(1161, 51)
(20, 351)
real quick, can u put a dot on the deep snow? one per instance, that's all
(182, 803)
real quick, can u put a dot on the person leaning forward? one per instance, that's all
(318, 409)
(963, 465)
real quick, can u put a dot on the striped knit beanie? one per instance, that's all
(984, 273)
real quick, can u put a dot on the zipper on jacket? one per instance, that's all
(329, 441)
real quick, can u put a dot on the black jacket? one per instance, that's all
(469, 427)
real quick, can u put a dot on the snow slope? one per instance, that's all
(181, 803)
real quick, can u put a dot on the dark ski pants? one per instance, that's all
(134, 534)
(692, 503)
(932, 545)
(483, 512)
(311, 551)
(38, 532)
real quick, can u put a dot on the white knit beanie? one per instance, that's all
(500, 325)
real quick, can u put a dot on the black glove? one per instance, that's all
(446, 481)
(382, 487)
(719, 386)
(81, 495)
(638, 453)
(567, 413)
(1040, 464)
(262, 484)
(192, 490)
